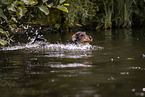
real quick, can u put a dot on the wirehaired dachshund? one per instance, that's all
(77, 38)
(81, 38)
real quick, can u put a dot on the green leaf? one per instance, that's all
(66, 4)
(62, 8)
(61, 1)
(26, 1)
(44, 9)
(2, 31)
(2, 42)
(2, 15)
(20, 3)
(30, 2)
(49, 5)
(22, 11)
(11, 7)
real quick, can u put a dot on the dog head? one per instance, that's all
(81, 38)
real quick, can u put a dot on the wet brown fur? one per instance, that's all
(81, 38)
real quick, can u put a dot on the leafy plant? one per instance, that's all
(81, 12)
(61, 6)
(15, 10)
(106, 21)
(5, 37)
(123, 12)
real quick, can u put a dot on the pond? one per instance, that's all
(113, 65)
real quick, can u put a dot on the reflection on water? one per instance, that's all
(111, 66)
(68, 65)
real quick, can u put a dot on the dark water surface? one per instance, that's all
(112, 66)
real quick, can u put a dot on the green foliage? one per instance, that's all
(5, 37)
(16, 9)
(61, 1)
(123, 13)
(81, 12)
(44, 9)
(2, 15)
(62, 8)
(30, 2)
(117, 13)
(106, 20)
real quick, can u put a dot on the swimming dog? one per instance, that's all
(77, 38)
(81, 38)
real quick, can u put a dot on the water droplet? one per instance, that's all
(133, 90)
(112, 59)
(139, 94)
(124, 73)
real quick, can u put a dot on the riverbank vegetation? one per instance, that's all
(20, 16)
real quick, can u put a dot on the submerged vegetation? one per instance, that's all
(50, 15)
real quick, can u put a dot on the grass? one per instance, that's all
(123, 13)
(106, 20)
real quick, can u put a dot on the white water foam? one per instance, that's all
(45, 49)
(20, 47)
(70, 47)
(52, 47)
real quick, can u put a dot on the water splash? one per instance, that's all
(52, 47)
(71, 47)
(20, 47)
(45, 49)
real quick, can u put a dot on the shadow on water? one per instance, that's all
(112, 66)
